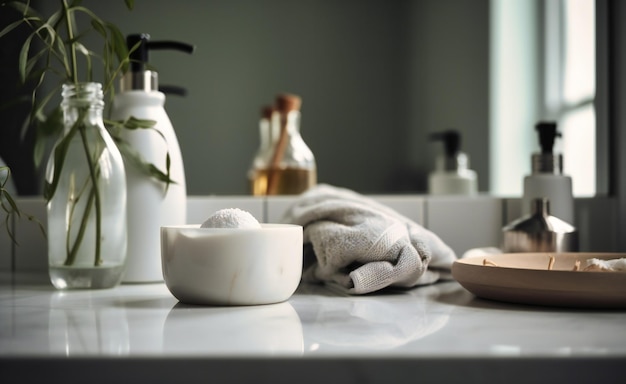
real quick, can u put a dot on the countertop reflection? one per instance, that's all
(437, 320)
(318, 330)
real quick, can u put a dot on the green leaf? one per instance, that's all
(38, 109)
(33, 97)
(9, 199)
(51, 126)
(122, 67)
(41, 227)
(60, 152)
(5, 170)
(23, 58)
(87, 11)
(3, 206)
(118, 42)
(24, 8)
(135, 159)
(168, 163)
(98, 26)
(148, 169)
(32, 62)
(135, 123)
(7, 223)
(130, 4)
(47, 35)
(54, 19)
(10, 27)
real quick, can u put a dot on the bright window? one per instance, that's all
(561, 88)
(576, 113)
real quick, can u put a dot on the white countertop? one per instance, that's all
(439, 331)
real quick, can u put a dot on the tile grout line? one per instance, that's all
(13, 246)
(265, 209)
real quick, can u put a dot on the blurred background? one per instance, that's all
(376, 78)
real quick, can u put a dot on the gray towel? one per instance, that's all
(362, 245)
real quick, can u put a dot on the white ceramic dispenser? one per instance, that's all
(151, 203)
(452, 175)
(547, 179)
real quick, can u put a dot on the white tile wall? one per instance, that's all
(31, 252)
(276, 206)
(595, 220)
(465, 223)
(6, 245)
(512, 210)
(411, 206)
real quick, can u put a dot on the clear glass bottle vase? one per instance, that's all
(86, 193)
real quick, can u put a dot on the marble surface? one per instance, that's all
(439, 331)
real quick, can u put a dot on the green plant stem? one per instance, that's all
(96, 193)
(70, 39)
(73, 251)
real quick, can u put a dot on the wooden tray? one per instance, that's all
(525, 278)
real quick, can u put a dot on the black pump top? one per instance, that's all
(140, 77)
(547, 135)
(451, 140)
(139, 57)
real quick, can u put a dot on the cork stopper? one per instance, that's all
(267, 111)
(286, 102)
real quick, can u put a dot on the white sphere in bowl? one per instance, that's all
(231, 218)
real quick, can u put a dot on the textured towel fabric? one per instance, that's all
(362, 245)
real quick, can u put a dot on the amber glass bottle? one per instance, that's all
(289, 167)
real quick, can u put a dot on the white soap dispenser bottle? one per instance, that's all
(452, 175)
(151, 203)
(547, 179)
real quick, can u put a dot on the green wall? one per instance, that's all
(375, 77)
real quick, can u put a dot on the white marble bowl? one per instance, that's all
(232, 266)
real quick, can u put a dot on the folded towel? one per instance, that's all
(362, 245)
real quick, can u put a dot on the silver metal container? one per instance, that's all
(539, 232)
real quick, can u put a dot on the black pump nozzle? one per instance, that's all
(140, 44)
(547, 135)
(140, 77)
(451, 140)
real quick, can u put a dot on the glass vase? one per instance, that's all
(86, 193)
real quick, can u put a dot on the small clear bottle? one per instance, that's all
(291, 169)
(260, 163)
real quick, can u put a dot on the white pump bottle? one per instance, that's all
(151, 203)
(547, 179)
(452, 175)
